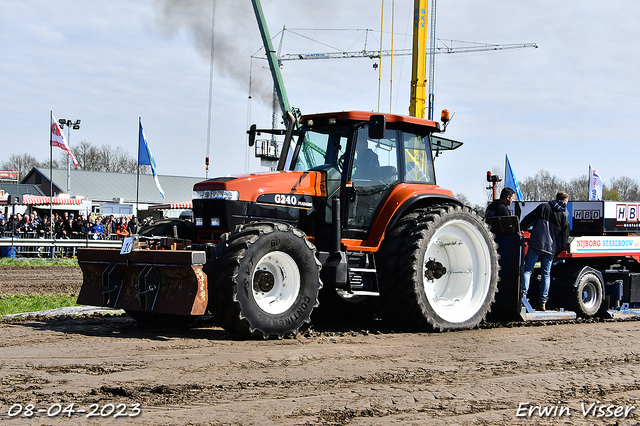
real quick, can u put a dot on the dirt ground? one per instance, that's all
(356, 373)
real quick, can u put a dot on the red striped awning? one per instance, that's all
(37, 200)
(171, 206)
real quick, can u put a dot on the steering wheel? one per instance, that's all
(340, 163)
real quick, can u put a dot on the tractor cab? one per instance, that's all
(365, 156)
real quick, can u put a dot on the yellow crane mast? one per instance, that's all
(419, 63)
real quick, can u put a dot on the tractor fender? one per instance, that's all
(585, 270)
(422, 200)
(583, 291)
(568, 275)
(401, 200)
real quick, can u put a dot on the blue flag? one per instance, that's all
(510, 180)
(145, 158)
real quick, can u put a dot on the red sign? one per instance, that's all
(8, 175)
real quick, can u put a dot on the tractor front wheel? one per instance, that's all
(264, 281)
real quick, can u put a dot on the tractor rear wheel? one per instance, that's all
(439, 269)
(264, 280)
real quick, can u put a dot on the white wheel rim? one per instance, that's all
(589, 295)
(285, 282)
(459, 294)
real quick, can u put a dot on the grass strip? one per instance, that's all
(38, 262)
(20, 303)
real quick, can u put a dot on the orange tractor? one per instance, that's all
(353, 212)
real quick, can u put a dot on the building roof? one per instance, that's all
(20, 189)
(105, 186)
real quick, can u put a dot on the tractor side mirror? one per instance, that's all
(377, 125)
(252, 134)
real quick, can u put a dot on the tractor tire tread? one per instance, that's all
(399, 263)
(224, 269)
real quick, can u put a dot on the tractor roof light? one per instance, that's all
(444, 116)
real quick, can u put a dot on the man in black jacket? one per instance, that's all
(549, 236)
(500, 207)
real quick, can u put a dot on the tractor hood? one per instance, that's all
(249, 187)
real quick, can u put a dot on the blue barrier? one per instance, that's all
(8, 252)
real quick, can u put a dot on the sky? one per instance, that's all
(562, 107)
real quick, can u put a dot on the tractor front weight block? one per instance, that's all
(160, 281)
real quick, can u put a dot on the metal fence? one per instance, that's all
(28, 244)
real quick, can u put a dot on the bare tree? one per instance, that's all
(23, 163)
(578, 188)
(104, 159)
(627, 188)
(465, 200)
(87, 156)
(621, 189)
(543, 186)
(610, 194)
(124, 163)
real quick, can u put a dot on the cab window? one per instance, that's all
(417, 159)
(320, 146)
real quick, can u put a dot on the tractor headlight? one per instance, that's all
(218, 194)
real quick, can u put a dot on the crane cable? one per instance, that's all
(432, 60)
(393, 24)
(380, 65)
(393, 11)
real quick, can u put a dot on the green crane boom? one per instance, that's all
(274, 66)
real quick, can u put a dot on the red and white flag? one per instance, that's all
(58, 139)
(595, 185)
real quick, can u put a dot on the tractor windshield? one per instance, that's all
(321, 146)
(405, 149)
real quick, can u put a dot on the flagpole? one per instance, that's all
(506, 172)
(138, 175)
(51, 179)
(589, 184)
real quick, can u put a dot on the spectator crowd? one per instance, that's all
(68, 225)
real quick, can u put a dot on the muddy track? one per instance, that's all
(356, 373)
(205, 376)
(40, 280)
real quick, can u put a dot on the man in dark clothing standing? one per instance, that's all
(500, 207)
(549, 236)
(133, 226)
